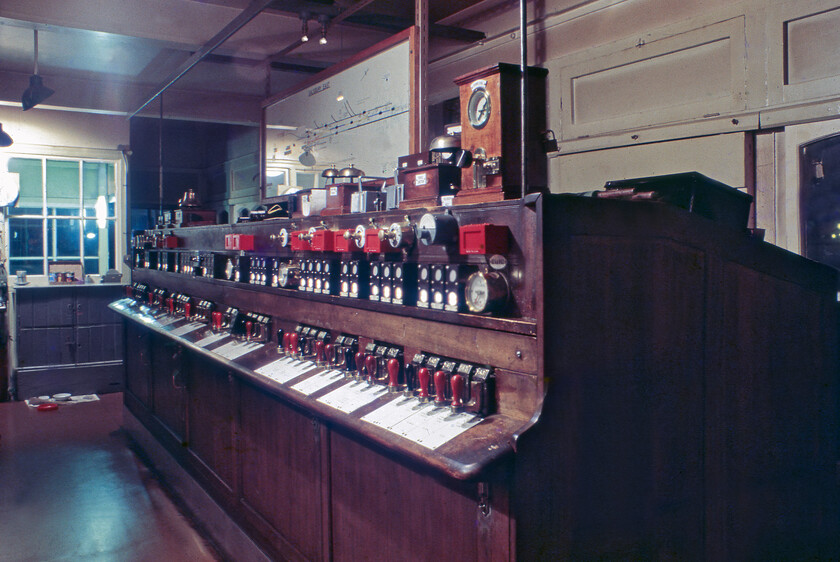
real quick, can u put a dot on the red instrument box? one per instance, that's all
(323, 240)
(483, 239)
(239, 242)
(297, 243)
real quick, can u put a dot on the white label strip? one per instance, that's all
(432, 428)
(212, 338)
(396, 411)
(186, 329)
(234, 349)
(285, 369)
(318, 381)
(167, 320)
(350, 397)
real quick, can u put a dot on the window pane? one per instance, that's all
(63, 238)
(31, 198)
(25, 238)
(99, 189)
(31, 266)
(62, 188)
(99, 246)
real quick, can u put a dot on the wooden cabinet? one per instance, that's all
(67, 340)
(664, 388)
(138, 371)
(169, 397)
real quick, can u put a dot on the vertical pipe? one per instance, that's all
(523, 97)
(160, 159)
(421, 20)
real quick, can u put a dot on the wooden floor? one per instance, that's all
(72, 489)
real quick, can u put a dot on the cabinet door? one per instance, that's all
(45, 307)
(98, 343)
(92, 305)
(169, 395)
(138, 367)
(45, 346)
(211, 421)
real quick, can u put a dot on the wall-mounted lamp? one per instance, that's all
(304, 28)
(324, 21)
(5, 139)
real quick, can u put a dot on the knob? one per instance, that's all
(248, 327)
(360, 365)
(393, 367)
(357, 236)
(423, 380)
(370, 367)
(397, 235)
(458, 386)
(294, 338)
(319, 351)
(440, 387)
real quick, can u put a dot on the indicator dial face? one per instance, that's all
(479, 108)
(359, 236)
(486, 291)
(229, 269)
(283, 236)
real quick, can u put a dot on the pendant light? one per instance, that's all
(36, 92)
(5, 139)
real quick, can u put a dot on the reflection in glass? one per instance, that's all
(63, 238)
(31, 199)
(25, 238)
(62, 188)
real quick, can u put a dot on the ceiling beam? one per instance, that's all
(246, 15)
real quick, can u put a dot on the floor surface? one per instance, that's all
(72, 489)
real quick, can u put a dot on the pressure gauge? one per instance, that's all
(479, 108)
(486, 291)
(437, 229)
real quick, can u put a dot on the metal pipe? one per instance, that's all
(523, 97)
(250, 12)
(160, 159)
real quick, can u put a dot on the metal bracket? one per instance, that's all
(484, 498)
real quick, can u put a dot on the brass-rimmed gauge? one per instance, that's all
(479, 108)
(487, 291)
(398, 235)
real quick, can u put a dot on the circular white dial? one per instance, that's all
(479, 108)
(283, 237)
(359, 236)
(486, 291)
(9, 190)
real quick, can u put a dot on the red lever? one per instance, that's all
(217, 321)
(370, 366)
(294, 338)
(287, 342)
(458, 386)
(170, 305)
(440, 387)
(360, 365)
(328, 353)
(151, 299)
(319, 351)
(423, 380)
(248, 327)
(393, 374)
(187, 309)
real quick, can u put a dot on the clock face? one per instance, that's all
(478, 108)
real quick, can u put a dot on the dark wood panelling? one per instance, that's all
(169, 398)
(138, 369)
(280, 455)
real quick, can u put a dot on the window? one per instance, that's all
(66, 211)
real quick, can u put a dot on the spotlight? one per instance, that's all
(324, 21)
(304, 29)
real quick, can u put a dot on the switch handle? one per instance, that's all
(294, 338)
(360, 365)
(287, 343)
(187, 309)
(458, 386)
(370, 367)
(319, 351)
(328, 353)
(440, 387)
(249, 326)
(423, 380)
(393, 367)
